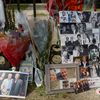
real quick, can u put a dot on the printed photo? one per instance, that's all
(93, 19)
(68, 28)
(4, 63)
(69, 17)
(81, 86)
(81, 39)
(84, 67)
(95, 69)
(77, 59)
(13, 84)
(85, 29)
(94, 82)
(71, 47)
(66, 84)
(93, 52)
(61, 77)
(89, 69)
(98, 20)
(28, 70)
(85, 17)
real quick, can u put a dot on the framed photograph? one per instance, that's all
(60, 77)
(27, 70)
(13, 84)
(4, 63)
(77, 59)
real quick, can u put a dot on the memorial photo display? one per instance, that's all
(80, 43)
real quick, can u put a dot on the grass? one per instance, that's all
(22, 6)
(40, 93)
(41, 14)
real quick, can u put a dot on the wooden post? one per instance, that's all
(18, 5)
(34, 8)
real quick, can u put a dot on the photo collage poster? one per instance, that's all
(80, 43)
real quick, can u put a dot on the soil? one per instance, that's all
(40, 94)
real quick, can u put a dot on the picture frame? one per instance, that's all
(13, 84)
(27, 69)
(77, 59)
(58, 77)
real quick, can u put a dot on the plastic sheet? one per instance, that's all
(2, 16)
(38, 77)
(40, 34)
(20, 18)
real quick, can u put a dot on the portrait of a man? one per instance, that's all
(13, 84)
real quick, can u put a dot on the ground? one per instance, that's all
(40, 94)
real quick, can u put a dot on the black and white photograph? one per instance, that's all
(71, 47)
(79, 39)
(98, 20)
(63, 17)
(13, 84)
(85, 16)
(85, 29)
(93, 19)
(68, 28)
(94, 53)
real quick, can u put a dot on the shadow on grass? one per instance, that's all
(31, 87)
